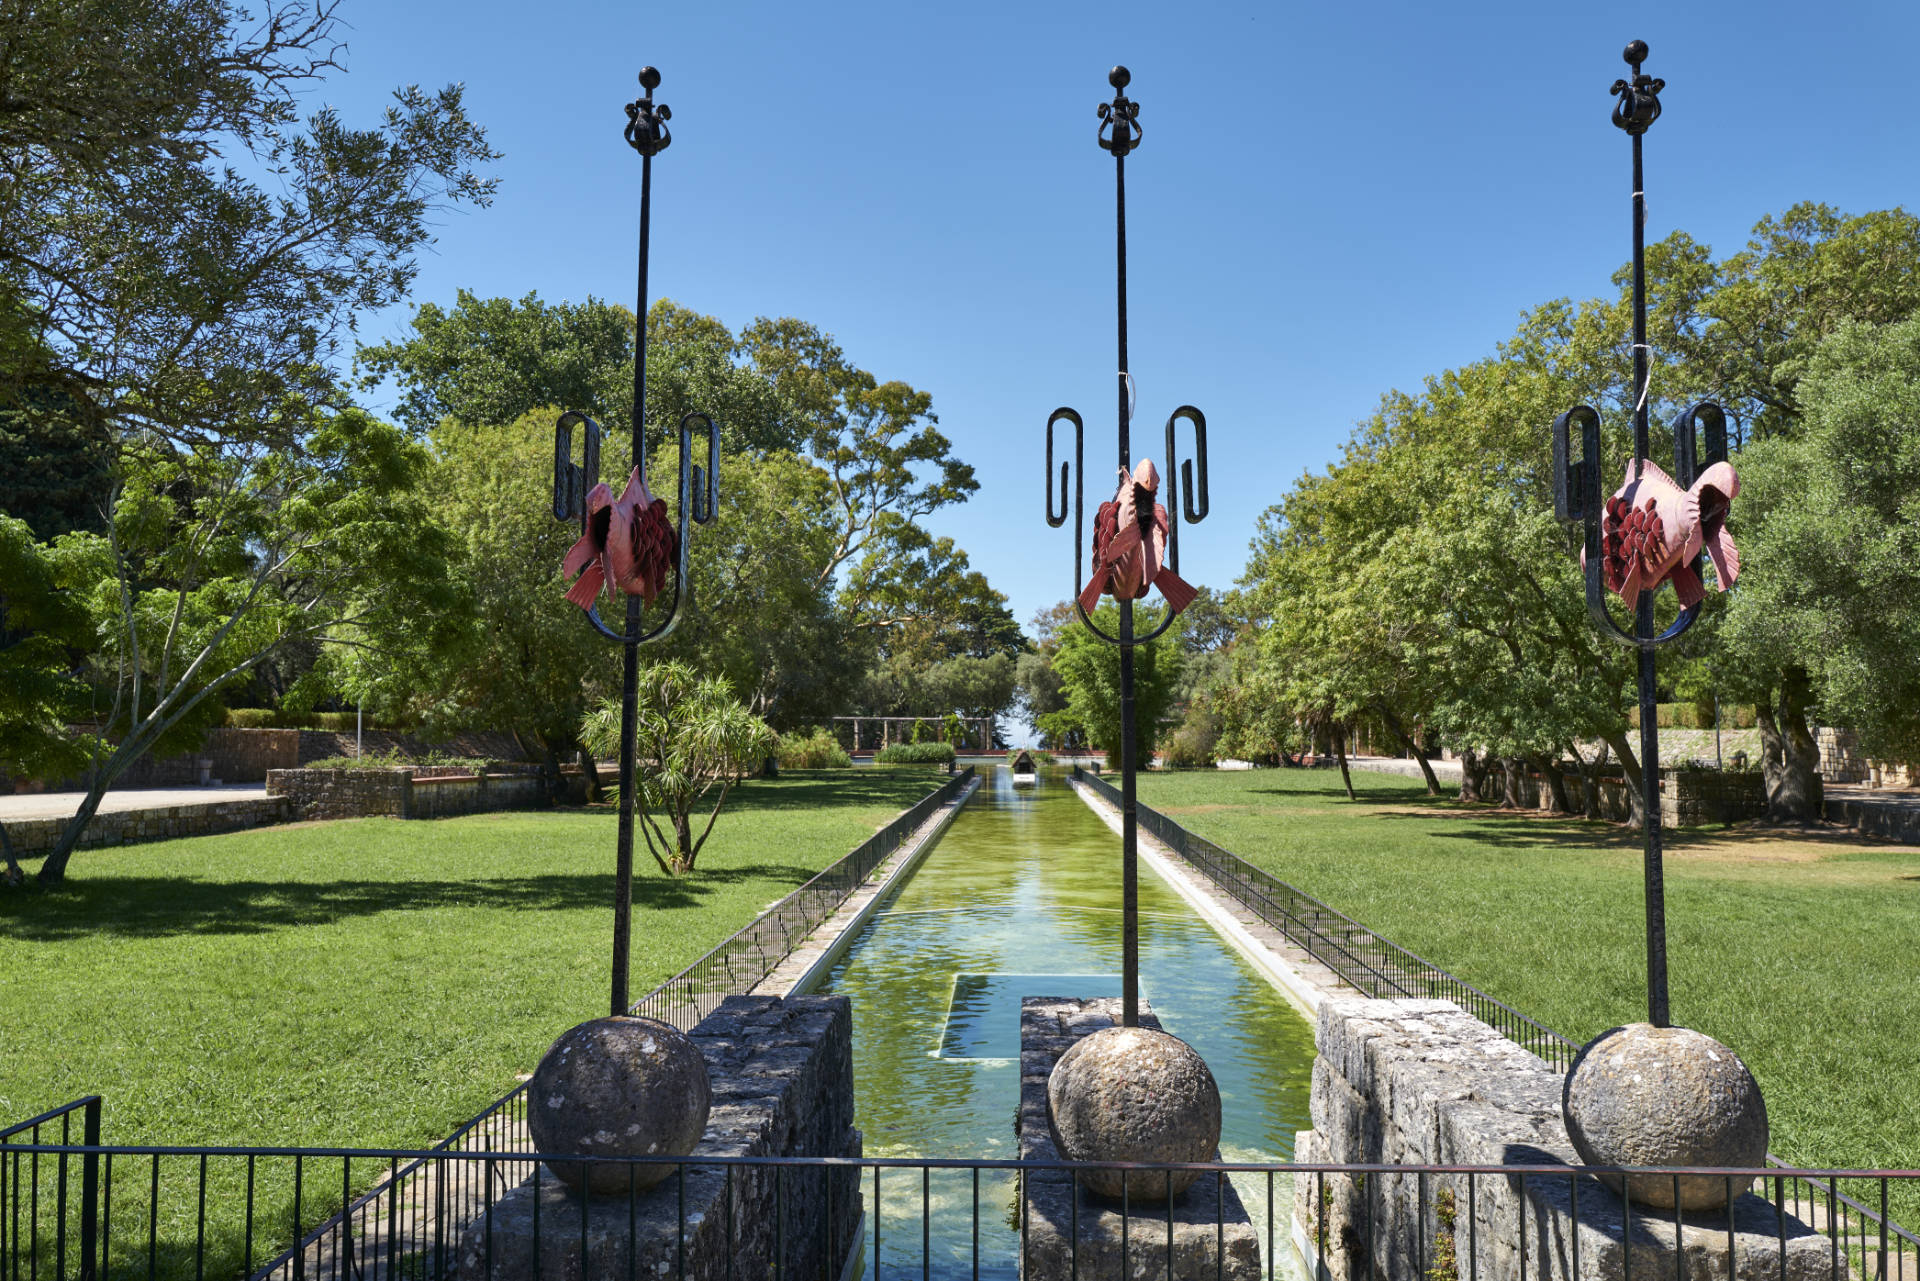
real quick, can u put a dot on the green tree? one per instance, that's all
(695, 741)
(1089, 670)
(1830, 530)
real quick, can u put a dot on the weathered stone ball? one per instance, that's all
(1665, 1096)
(618, 1086)
(1133, 1094)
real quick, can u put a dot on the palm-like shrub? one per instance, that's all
(694, 741)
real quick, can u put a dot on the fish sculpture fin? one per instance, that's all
(1686, 585)
(1090, 594)
(1178, 591)
(1653, 470)
(578, 556)
(1725, 557)
(584, 591)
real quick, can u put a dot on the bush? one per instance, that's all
(273, 718)
(1698, 716)
(818, 750)
(915, 754)
(1040, 755)
(395, 760)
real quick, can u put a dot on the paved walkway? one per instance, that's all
(21, 809)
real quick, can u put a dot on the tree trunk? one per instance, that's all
(1469, 777)
(54, 870)
(1510, 771)
(1789, 758)
(14, 875)
(591, 771)
(1630, 766)
(1556, 779)
(1340, 751)
(1400, 731)
(1589, 783)
(683, 840)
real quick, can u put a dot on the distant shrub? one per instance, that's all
(396, 760)
(274, 718)
(818, 750)
(915, 754)
(1699, 716)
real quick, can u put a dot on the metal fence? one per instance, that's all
(1377, 967)
(170, 1212)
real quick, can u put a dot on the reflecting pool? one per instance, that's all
(1022, 898)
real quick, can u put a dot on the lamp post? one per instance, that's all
(1119, 133)
(573, 487)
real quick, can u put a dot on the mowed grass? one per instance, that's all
(1799, 950)
(370, 983)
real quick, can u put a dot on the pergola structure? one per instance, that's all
(899, 729)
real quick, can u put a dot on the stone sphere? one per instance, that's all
(1133, 1094)
(619, 1086)
(1646, 1095)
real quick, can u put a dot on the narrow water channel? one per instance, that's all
(1022, 898)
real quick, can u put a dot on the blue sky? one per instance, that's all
(1330, 201)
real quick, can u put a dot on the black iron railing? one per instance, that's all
(1377, 967)
(732, 968)
(1373, 965)
(173, 1212)
(74, 1216)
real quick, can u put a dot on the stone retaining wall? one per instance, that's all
(401, 792)
(1425, 1083)
(37, 836)
(782, 1077)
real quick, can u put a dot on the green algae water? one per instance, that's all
(1022, 898)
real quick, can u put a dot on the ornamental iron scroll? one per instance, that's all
(1154, 538)
(1703, 482)
(577, 495)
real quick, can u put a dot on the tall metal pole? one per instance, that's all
(576, 495)
(1578, 497)
(1129, 817)
(1119, 134)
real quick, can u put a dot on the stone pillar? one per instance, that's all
(782, 1078)
(1211, 1232)
(1424, 1083)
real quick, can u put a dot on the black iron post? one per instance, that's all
(1578, 496)
(647, 133)
(1119, 134)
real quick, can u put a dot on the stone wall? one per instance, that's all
(37, 836)
(782, 1077)
(1070, 1231)
(1424, 1083)
(1843, 761)
(401, 793)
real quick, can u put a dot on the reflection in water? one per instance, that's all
(1022, 898)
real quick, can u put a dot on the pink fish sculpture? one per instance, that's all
(1130, 545)
(1651, 530)
(629, 543)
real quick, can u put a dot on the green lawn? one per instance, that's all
(372, 982)
(1800, 951)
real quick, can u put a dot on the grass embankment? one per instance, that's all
(1799, 950)
(366, 983)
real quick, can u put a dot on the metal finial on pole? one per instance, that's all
(578, 496)
(1119, 134)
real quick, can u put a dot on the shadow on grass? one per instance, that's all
(1364, 795)
(157, 907)
(1519, 829)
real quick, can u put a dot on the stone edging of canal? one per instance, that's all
(809, 963)
(1301, 979)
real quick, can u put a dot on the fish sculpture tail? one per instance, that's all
(585, 591)
(1178, 591)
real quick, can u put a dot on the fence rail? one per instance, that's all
(178, 1212)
